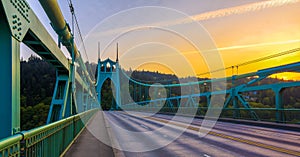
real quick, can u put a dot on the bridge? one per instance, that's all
(211, 117)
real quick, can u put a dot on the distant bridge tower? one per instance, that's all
(109, 69)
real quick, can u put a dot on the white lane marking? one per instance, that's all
(205, 155)
(144, 126)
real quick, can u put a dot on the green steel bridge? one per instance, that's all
(76, 98)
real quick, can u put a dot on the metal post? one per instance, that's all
(278, 104)
(208, 97)
(118, 86)
(140, 93)
(236, 111)
(79, 97)
(90, 102)
(134, 92)
(68, 107)
(146, 93)
(9, 81)
(234, 94)
(60, 99)
(85, 100)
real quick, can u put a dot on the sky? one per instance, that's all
(185, 37)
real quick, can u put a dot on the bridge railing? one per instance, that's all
(49, 140)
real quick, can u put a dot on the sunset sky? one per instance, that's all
(172, 35)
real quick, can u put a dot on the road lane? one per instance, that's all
(292, 148)
(189, 144)
(275, 137)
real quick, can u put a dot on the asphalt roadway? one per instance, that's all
(142, 135)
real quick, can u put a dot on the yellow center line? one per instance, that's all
(258, 144)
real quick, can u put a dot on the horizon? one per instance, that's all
(274, 76)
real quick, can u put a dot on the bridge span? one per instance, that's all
(77, 126)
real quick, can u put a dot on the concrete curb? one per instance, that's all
(290, 127)
(273, 125)
(114, 142)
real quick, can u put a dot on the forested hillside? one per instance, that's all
(37, 83)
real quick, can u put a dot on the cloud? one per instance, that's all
(219, 49)
(258, 45)
(209, 15)
(243, 9)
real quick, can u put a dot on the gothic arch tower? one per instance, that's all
(109, 69)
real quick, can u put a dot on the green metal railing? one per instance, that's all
(50, 140)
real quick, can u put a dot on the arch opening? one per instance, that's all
(108, 101)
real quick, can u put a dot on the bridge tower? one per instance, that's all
(109, 69)
(10, 69)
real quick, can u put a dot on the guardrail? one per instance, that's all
(50, 140)
(291, 115)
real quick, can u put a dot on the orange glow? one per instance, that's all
(154, 66)
(287, 76)
(241, 34)
(245, 37)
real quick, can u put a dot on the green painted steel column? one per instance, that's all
(85, 100)
(118, 86)
(279, 106)
(79, 97)
(236, 111)
(134, 92)
(61, 101)
(140, 93)
(146, 93)
(9, 80)
(234, 94)
(208, 98)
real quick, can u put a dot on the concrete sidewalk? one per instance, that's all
(88, 145)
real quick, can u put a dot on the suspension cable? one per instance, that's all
(254, 61)
(74, 18)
